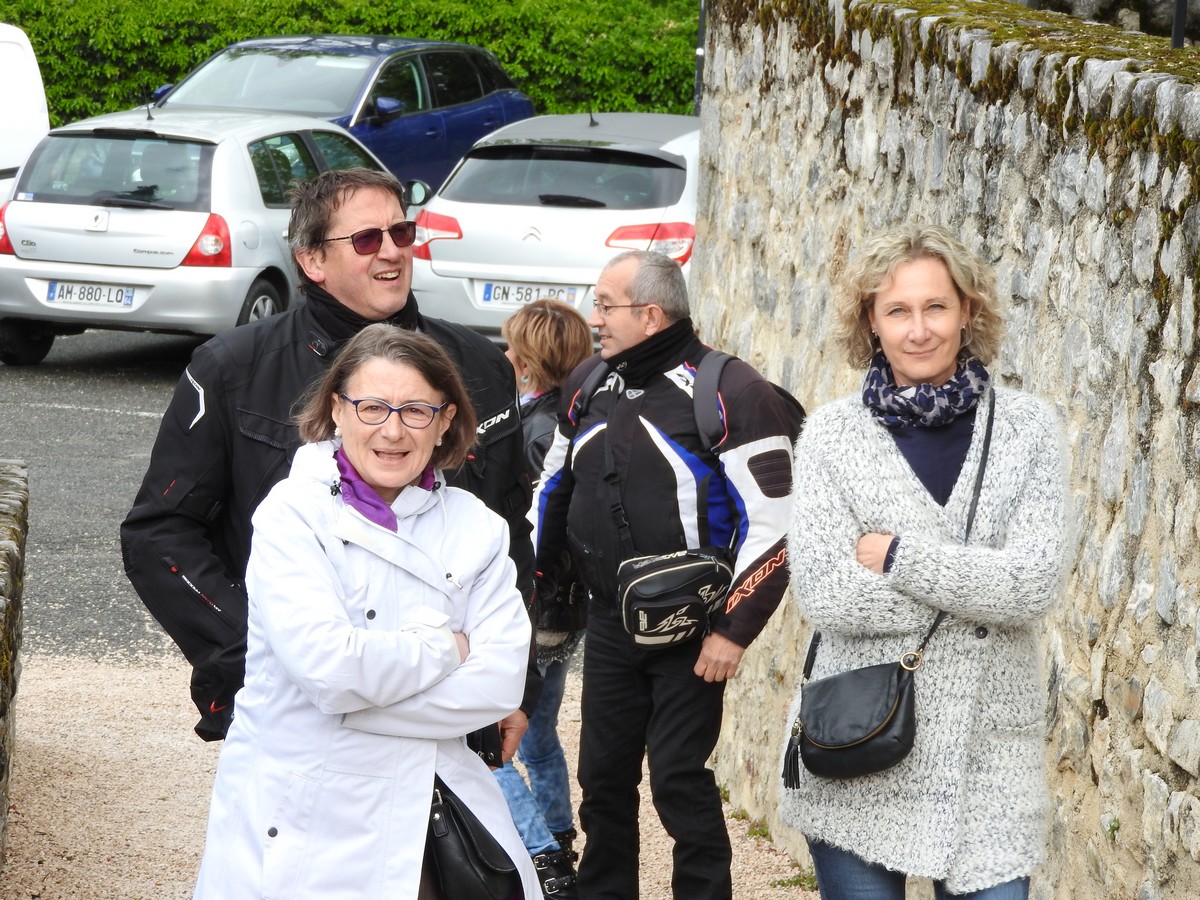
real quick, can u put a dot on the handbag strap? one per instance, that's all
(983, 459)
(912, 659)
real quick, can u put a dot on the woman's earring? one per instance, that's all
(524, 379)
(966, 334)
(438, 442)
(337, 432)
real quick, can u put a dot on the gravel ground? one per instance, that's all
(109, 790)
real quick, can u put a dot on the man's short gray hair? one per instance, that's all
(658, 280)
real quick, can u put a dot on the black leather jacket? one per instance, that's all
(539, 418)
(227, 438)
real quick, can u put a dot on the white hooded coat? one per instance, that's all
(355, 694)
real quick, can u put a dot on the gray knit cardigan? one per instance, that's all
(968, 805)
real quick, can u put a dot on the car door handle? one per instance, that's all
(433, 132)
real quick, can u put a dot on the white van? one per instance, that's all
(24, 117)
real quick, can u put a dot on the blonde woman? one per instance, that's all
(546, 340)
(883, 483)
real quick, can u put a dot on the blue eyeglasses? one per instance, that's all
(373, 411)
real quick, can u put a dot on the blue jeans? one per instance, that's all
(841, 875)
(547, 807)
(542, 754)
(524, 811)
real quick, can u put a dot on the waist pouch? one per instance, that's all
(669, 598)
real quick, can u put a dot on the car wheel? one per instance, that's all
(24, 343)
(262, 300)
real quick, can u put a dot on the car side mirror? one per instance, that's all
(160, 92)
(416, 193)
(382, 109)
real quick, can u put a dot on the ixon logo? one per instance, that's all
(484, 426)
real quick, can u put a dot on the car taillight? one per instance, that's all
(673, 239)
(6, 246)
(212, 247)
(433, 227)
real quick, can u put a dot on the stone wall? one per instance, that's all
(14, 522)
(1068, 154)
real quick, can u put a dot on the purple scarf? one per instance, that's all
(360, 495)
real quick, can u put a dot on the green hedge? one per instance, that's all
(568, 55)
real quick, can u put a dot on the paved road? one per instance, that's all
(84, 421)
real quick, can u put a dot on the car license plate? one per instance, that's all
(514, 295)
(75, 293)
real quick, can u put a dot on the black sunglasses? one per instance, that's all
(369, 240)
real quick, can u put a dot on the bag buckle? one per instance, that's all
(911, 660)
(437, 817)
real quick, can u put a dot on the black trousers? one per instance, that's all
(638, 702)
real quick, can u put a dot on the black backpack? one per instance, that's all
(706, 400)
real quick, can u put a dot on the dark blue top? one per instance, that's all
(936, 456)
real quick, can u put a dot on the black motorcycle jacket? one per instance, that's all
(676, 493)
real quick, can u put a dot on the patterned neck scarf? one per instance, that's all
(925, 405)
(362, 497)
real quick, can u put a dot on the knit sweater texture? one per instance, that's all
(968, 806)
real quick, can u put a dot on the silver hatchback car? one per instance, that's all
(536, 209)
(167, 221)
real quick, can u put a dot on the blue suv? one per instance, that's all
(417, 105)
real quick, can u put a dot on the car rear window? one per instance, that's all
(119, 169)
(584, 177)
(315, 84)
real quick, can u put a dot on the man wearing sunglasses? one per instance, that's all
(227, 436)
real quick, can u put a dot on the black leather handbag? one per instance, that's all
(855, 723)
(467, 862)
(864, 721)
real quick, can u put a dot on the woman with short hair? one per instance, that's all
(546, 340)
(883, 486)
(384, 624)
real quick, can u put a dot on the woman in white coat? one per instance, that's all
(384, 624)
(883, 484)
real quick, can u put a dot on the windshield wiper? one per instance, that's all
(116, 200)
(570, 200)
(130, 203)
